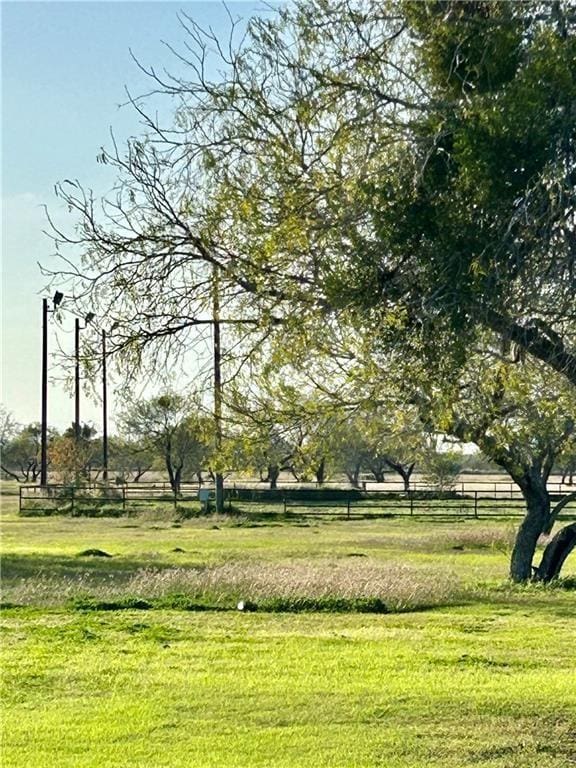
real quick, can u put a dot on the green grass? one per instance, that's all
(464, 671)
(405, 563)
(481, 686)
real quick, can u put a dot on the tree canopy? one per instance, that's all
(412, 164)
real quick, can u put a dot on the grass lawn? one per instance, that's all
(462, 671)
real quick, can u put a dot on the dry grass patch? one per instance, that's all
(398, 586)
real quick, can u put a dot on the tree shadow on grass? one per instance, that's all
(16, 567)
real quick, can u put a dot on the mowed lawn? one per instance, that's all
(464, 670)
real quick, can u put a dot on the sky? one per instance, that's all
(65, 71)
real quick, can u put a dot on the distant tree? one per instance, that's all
(266, 450)
(395, 440)
(374, 438)
(130, 459)
(346, 445)
(441, 468)
(172, 425)
(8, 426)
(279, 426)
(68, 459)
(478, 462)
(83, 451)
(21, 453)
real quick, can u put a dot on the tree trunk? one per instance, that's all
(405, 472)
(353, 476)
(140, 471)
(321, 472)
(556, 553)
(564, 501)
(219, 492)
(534, 490)
(568, 472)
(273, 475)
(178, 478)
(170, 470)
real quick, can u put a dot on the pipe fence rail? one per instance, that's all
(124, 499)
(99, 499)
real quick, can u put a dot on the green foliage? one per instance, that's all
(492, 198)
(468, 46)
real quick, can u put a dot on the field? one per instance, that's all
(394, 643)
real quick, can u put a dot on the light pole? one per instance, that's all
(218, 478)
(77, 328)
(56, 300)
(104, 412)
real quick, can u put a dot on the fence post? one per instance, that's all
(476, 504)
(284, 498)
(348, 508)
(411, 496)
(73, 499)
(123, 499)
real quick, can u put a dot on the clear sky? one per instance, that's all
(65, 68)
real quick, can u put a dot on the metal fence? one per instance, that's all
(376, 503)
(95, 499)
(112, 500)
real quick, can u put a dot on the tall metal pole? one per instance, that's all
(219, 479)
(44, 416)
(77, 380)
(104, 411)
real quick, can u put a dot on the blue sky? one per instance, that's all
(65, 70)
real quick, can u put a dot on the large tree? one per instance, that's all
(522, 417)
(403, 172)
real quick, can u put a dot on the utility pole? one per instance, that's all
(104, 412)
(218, 478)
(88, 319)
(44, 416)
(77, 380)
